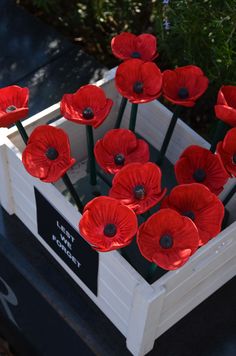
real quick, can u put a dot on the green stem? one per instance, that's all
(168, 134)
(121, 112)
(124, 254)
(219, 134)
(146, 215)
(133, 117)
(104, 178)
(22, 132)
(151, 272)
(73, 192)
(229, 195)
(91, 158)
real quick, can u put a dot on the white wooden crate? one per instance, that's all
(142, 312)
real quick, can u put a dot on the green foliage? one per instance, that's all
(202, 32)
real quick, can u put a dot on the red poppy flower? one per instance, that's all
(225, 109)
(87, 106)
(13, 105)
(138, 186)
(200, 165)
(198, 203)
(120, 147)
(126, 46)
(227, 151)
(47, 154)
(138, 81)
(184, 85)
(107, 224)
(168, 239)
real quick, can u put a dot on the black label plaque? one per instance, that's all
(66, 242)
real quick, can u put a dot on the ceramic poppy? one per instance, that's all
(200, 165)
(184, 85)
(225, 108)
(118, 148)
(168, 239)
(227, 151)
(138, 81)
(127, 45)
(87, 106)
(13, 105)
(47, 154)
(202, 206)
(107, 224)
(138, 186)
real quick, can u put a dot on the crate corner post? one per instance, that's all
(6, 199)
(144, 318)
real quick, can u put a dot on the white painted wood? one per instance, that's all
(109, 279)
(202, 271)
(152, 123)
(24, 196)
(174, 278)
(110, 295)
(140, 311)
(207, 287)
(144, 318)
(5, 186)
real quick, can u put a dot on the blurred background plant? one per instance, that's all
(189, 32)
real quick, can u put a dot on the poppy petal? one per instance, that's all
(188, 78)
(90, 96)
(137, 71)
(146, 45)
(182, 232)
(148, 176)
(197, 201)
(17, 98)
(120, 142)
(102, 211)
(35, 159)
(123, 45)
(194, 159)
(227, 151)
(225, 109)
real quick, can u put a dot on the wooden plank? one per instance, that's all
(19, 182)
(6, 199)
(204, 270)
(124, 291)
(198, 294)
(172, 279)
(113, 316)
(152, 123)
(21, 199)
(121, 269)
(112, 298)
(144, 318)
(26, 219)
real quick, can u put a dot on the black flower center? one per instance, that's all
(135, 55)
(110, 230)
(51, 153)
(189, 214)
(138, 87)
(119, 159)
(10, 108)
(199, 175)
(234, 158)
(166, 241)
(88, 113)
(139, 192)
(183, 93)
